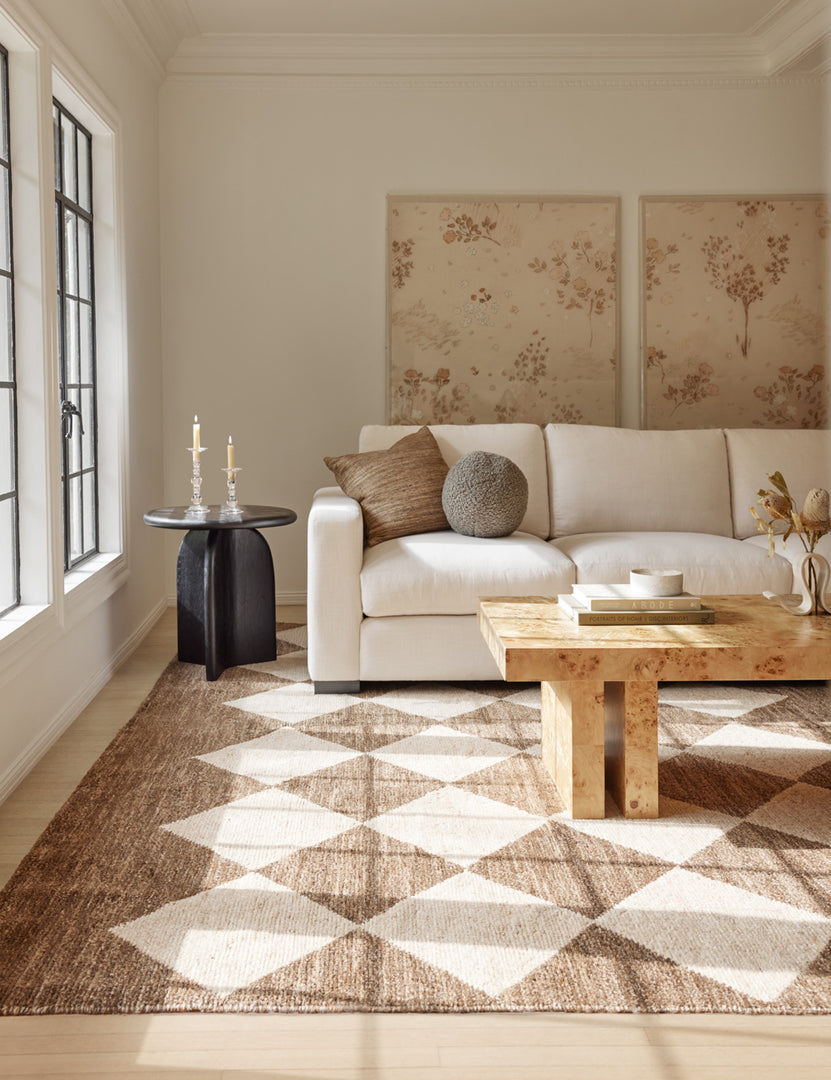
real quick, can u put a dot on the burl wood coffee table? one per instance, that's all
(600, 683)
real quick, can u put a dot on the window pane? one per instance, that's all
(5, 233)
(6, 366)
(88, 415)
(70, 272)
(71, 344)
(59, 244)
(56, 142)
(84, 188)
(62, 389)
(4, 106)
(68, 132)
(85, 342)
(84, 265)
(6, 441)
(8, 554)
(76, 545)
(90, 529)
(73, 443)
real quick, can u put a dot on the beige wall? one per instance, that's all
(273, 215)
(43, 692)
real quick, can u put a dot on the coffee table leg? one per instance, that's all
(573, 744)
(632, 747)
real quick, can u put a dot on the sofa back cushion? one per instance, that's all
(522, 443)
(606, 479)
(803, 458)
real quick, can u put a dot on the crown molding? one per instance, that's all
(802, 31)
(464, 55)
(453, 55)
(154, 28)
(791, 41)
(518, 56)
(135, 37)
(544, 83)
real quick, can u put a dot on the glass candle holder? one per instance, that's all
(231, 508)
(197, 508)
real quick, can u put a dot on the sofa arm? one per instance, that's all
(336, 551)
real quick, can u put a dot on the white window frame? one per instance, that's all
(74, 217)
(10, 543)
(52, 602)
(95, 579)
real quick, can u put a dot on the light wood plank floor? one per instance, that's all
(358, 1046)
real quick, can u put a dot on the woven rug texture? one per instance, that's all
(247, 846)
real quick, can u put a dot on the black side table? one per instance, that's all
(224, 585)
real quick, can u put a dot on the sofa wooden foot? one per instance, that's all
(346, 687)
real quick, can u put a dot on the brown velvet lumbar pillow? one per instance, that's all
(399, 489)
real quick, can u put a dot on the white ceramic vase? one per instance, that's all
(812, 574)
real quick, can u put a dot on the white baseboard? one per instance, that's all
(26, 761)
(291, 598)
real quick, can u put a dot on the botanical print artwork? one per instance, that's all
(502, 310)
(735, 309)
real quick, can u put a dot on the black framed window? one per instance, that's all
(9, 503)
(76, 335)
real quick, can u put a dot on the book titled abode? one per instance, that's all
(585, 616)
(627, 598)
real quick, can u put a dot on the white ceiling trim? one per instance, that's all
(397, 55)
(520, 55)
(793, 40)
(154, 29)
(796, 33)
(544, 83)
(137, 37)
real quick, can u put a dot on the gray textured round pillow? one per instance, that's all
(484, 494)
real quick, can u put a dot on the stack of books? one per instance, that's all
(620, 605)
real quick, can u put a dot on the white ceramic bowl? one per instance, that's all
(657, 582)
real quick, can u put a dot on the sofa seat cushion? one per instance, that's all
(445, 573)
(712, 565)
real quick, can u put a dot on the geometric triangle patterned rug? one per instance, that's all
(247, 846)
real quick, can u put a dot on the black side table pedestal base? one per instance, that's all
(224, 584)
(226, 600)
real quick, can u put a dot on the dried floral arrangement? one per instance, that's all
(809, 524)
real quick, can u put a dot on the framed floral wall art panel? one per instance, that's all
(502, 309)
(735, 311)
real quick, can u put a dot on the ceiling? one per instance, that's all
(735, 38)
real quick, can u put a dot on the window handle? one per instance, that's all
(68, 412)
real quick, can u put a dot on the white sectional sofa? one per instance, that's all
(601, 501)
